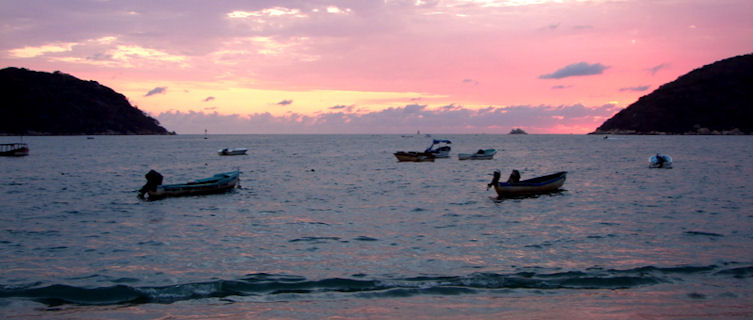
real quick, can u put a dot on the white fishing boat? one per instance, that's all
(232, 152)
(481, 154)
(14, 149)
(439, 148)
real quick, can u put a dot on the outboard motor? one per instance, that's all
(495, 179)
(153, 179)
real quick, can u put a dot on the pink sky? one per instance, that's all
(393, 66)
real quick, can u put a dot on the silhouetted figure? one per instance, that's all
(659, 160)
(514, 177)
(153, 179)
(495, 179)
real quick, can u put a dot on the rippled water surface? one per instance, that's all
(333, 226)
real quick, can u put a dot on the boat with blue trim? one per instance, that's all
(539, 185)
(440, 148)
(218, 183)
(481, 154)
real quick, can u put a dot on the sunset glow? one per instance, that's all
(392, 66)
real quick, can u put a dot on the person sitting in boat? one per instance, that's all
(480, 151)
(153, 179)
(495, 179)
(659, 160)
(514, 177)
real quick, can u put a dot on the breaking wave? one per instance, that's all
(270, 286)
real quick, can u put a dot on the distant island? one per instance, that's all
(517, 131)
(714, 99)
(42, 103)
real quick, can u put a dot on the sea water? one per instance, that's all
(332, 226)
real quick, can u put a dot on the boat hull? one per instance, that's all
(14, 149)
(443, 152)
(539, 185)
(411, 156)
(219, 183)
(232, 152)
(487, 154)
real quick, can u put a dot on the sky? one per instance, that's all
(376, 66)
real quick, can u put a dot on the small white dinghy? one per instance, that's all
(232, 152)
(481, 154)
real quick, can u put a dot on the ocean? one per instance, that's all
(333, 227)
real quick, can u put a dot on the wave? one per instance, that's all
(271, 285)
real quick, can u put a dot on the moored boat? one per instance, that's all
(481, 154)
(660, 161)
(539, 185)
(218, 183)
(439, 148)
(232, 152)
(14, 149)
(414, 156)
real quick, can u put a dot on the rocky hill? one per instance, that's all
(41, 103)
(714, 99)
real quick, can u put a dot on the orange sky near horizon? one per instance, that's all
(440, 66)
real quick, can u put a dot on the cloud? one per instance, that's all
(208, 99)
(343, 107)
(637, 88)
(285, 102)
(396, 120)
(562, 87)
(157, 90)
(269, 12)
(470, 81)
(31, 52)
(414, 108)
(576, 69)
(655, 69)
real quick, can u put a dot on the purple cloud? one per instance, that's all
(576, 69)
(342, 107)
(444, 119)
(637, 88)
(208, 99)
(655, 69)
(157, 90)
(285, 102)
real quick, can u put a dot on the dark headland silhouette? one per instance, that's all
(714, 99)
(42, 103)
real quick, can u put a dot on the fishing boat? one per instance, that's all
(481, 154)
(539, 185)
(14, 149)
(232, 152)
(414, 156)
(660, 161)
(219, 183)
(439, 148)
